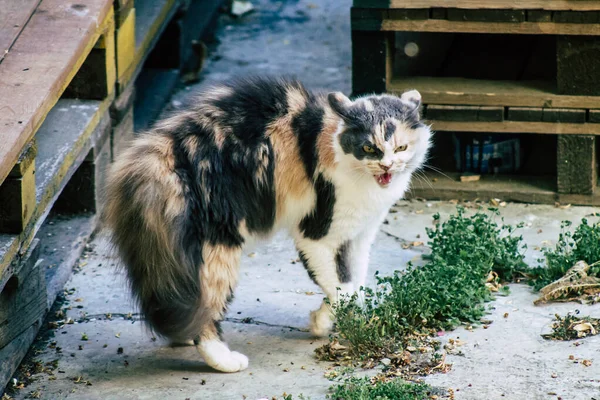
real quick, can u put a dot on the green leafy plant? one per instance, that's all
(583, 244)
(449, 290)
(353, 388)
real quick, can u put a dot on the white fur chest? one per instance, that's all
(361, 203)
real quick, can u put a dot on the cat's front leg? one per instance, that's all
(326, 266)
(358, 255)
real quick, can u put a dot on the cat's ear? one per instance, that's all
(340, 104)
(412, 98)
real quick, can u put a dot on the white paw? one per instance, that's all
(217, 355)
(321, 321)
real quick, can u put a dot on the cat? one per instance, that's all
(248, 158)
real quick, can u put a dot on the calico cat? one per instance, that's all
(249, 158)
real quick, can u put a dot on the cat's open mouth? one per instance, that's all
(384, 179)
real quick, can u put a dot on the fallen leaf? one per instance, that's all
(571, 286)
(587, 363)
(584, 328)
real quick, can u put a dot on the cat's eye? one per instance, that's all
(401, 148)
(368, 149)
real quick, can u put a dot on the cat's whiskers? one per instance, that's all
(437, 170)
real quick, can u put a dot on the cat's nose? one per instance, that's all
(384, 167)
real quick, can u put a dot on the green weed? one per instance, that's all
(353, 388)
(449, 290)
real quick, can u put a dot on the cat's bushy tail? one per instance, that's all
(145, 212)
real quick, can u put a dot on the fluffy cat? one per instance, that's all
(249, 158)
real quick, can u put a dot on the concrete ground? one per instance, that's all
(268, 319)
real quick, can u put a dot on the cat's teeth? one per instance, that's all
(384, 179)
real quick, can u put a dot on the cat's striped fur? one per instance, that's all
(249, 158)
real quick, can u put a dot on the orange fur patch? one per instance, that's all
(218, 278)
(290, 176)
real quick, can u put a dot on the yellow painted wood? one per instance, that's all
(126, 48)
(17, 196)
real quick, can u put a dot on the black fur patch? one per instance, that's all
(304, 261)
(235, 193)
(353, 141)
(316, 224)
(342, 264)
(390, 128)
(307, 125)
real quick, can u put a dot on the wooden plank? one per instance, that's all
(566, 115)
(13, 18)
(23, 297)
(11, 355)
(526, 189)
(43, 60)
(125, 46)
(64, 140)
(547, 128)
(522, 28)
(578, 66)
(458, 14)
(581, 5)
(490, 93)
(526, 114)
(576, 165)
(464, 113)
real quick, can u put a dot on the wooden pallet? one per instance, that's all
(566, 104)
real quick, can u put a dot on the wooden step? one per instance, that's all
(517, 188)
(13, 19)
(43, 60)
(454, 91)
(476, 20)
(71, 129)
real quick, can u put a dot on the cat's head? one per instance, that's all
(382, 135)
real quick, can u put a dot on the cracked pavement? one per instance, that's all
(268, 321)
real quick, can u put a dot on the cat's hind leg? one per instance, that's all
(322, 264)
(218, 277)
